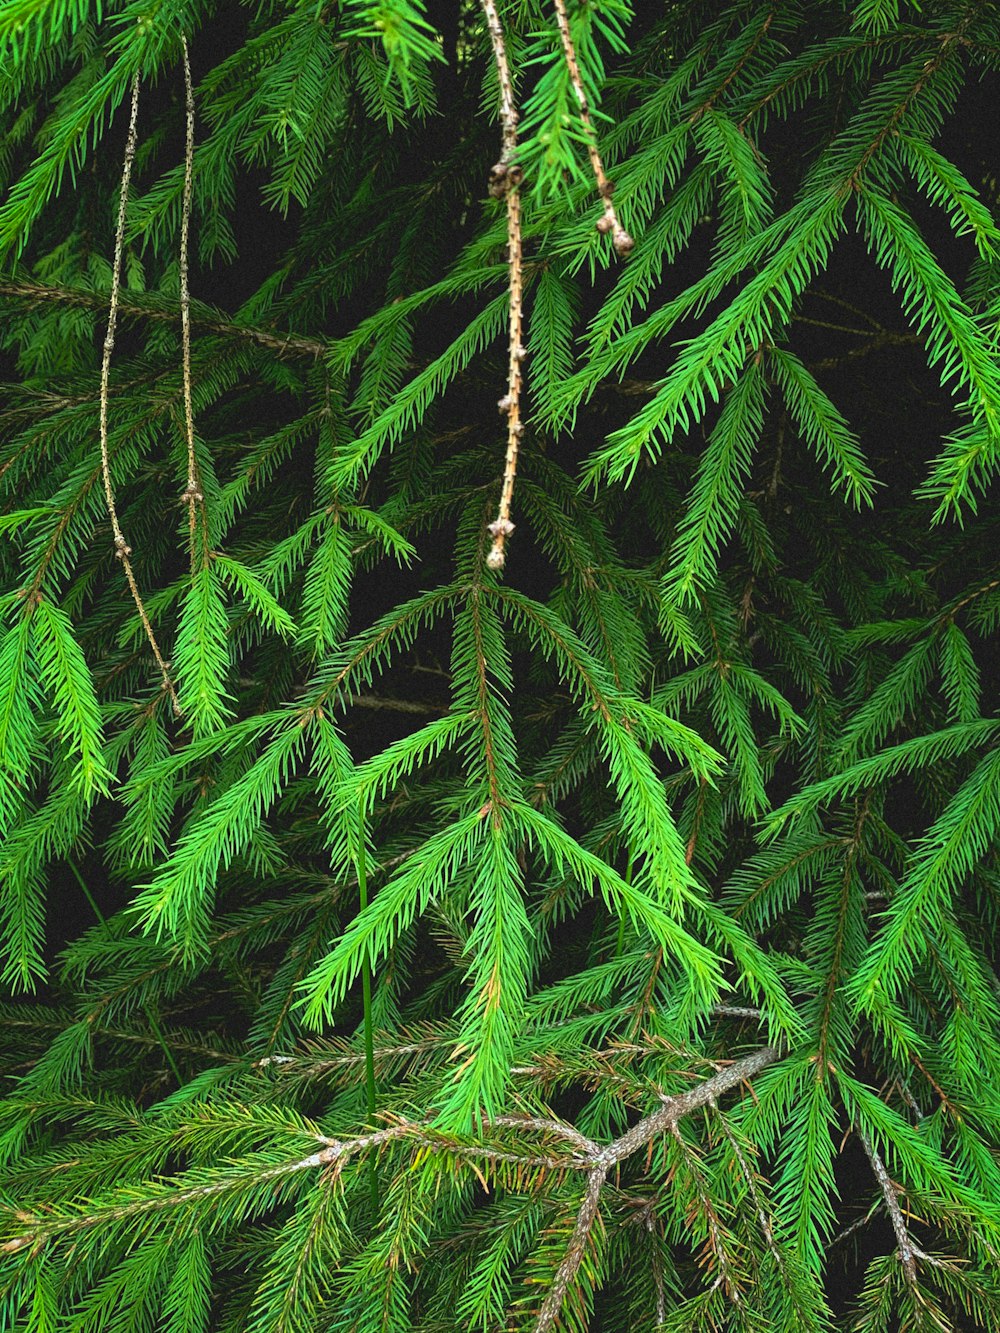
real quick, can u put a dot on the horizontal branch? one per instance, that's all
(145, 305)
(675, 1108)
(585, 1155)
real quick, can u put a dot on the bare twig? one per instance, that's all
(387, 704)
(577, 1248)
(610, 222)
(908, 1251)
(193, 496)
(122, 549)
(736, 1011)
(505, 182)
(580, 1141)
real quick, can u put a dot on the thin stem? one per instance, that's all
(193, 496)
(122, 549)
(610, 222)
(907, 1250)
(154, 1025)
(620, 946)
(366, 1002)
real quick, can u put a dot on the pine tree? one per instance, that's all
(499, 762)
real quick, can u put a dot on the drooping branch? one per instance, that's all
(122, 549)
(334, 1154)
(505, 183)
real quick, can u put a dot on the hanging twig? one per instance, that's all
(193, 496)
(361, 862)
(610, 222)
(505, 181)
(122, 549)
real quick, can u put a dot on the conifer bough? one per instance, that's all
(389, 945)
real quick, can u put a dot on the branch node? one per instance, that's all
(622, 241)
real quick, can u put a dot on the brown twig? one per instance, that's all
(610, 222)
(575, 1251)
(505, 182)
(193, 496)
(122, 549)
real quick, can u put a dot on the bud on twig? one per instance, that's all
(609, 222)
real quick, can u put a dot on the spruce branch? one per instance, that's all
(122, 549)
(726, 1277)
(610, 222)
(564, 736)
(746, 1171)
(29, 292)
(929, 70)
(505, 183)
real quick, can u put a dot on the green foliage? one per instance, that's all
(603, 942)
